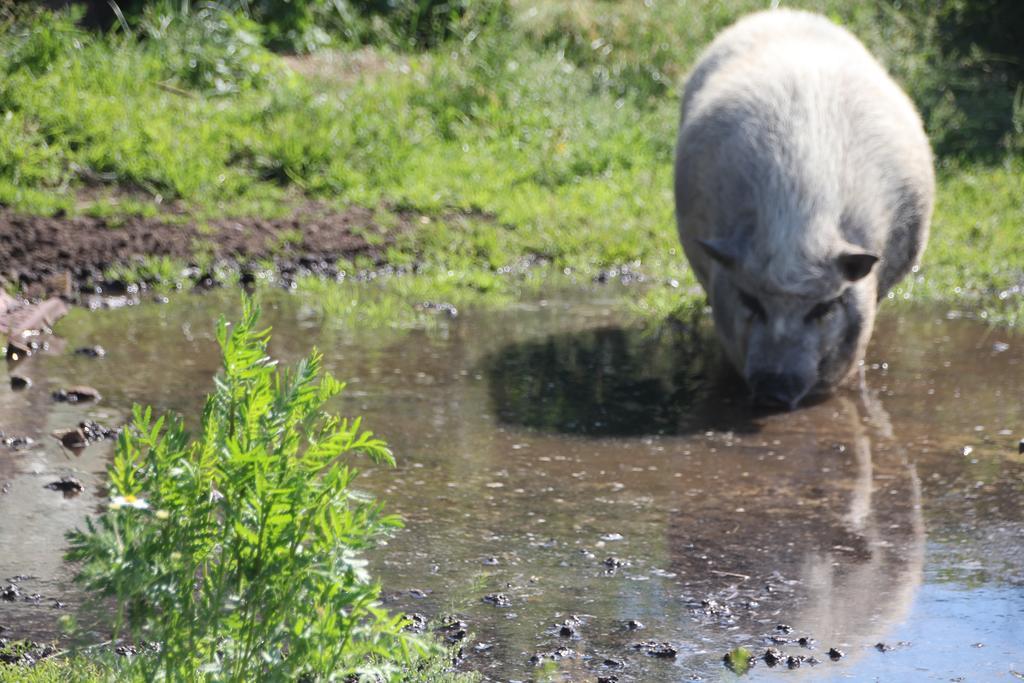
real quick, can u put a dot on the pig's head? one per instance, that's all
(792, 331)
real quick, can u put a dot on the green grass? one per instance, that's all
(101, 667)
(544, 131)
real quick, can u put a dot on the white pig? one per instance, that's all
(804, 190)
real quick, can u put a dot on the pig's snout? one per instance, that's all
(777, 390)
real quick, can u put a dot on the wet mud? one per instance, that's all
(68, 255)
(600, 499)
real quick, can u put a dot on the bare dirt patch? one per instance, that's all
(53, 253)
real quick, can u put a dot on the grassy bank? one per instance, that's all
(536, 134)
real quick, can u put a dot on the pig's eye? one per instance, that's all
(752, 304)
(821, 310)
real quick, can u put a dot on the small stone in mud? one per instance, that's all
(490, 561)
(794, 661)
(553, 656)
(634, 625)
(835, 655)
(614, 562)
(883, 647)
(94, 431)
(417, 593)
(806, 642)
(126, 650)
(441, 306)
(482, 647)
(613, 663)
(19, 382)
(16, 442)
(18, 350)
(1020, 447)
(417, 623)
(498, 600)
(610, 678)
(86, 433)
(784, 628)
(454, 630)
(95, 351)
(76, 394)
(66, 485)
(567, 629)
(654, 649)
(715, 608)
(72, 439)
(772, 656)
(10, 592)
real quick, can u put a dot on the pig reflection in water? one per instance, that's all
(834, 529)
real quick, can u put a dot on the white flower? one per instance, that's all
(118, 502)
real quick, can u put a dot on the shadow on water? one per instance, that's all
(614, 381)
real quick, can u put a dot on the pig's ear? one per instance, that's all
(723, 251)
(855, 264)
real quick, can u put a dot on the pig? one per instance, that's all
(804, 187)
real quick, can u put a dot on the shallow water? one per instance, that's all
(581, 466)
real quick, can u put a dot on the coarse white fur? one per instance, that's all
(796, 148)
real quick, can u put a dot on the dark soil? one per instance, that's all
(44, 255)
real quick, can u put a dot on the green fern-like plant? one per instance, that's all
(237, 553)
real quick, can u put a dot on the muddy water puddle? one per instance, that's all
(581, 491)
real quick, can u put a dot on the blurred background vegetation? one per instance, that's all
(961, 60)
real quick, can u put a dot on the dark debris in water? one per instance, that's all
(772, 656)
(558, 654)
(417, 623)
(76, 394)
(69, 486)
(453, 630)
(85, 433)
(612, 563)
(796, 661)
(19, 382)
(15, 442)
(497, 599)
(835, 654)
(655, 649)
(569, 628)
